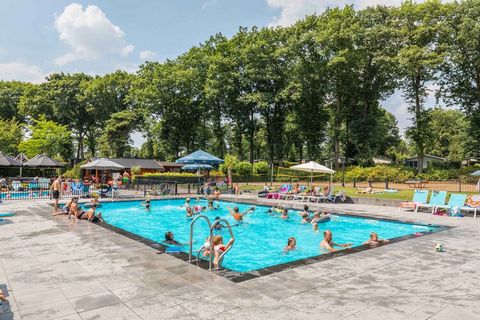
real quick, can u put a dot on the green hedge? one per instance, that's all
(395, 173)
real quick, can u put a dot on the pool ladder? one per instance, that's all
(211, 227)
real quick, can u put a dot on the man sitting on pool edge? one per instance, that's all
(328, 243)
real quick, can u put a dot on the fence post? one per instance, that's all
(144, 189)
(354, 183)
(459, 185)
(386, 184)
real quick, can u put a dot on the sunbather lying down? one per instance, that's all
(369, 190)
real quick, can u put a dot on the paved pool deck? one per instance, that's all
(55, 268)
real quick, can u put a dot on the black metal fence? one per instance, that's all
(140, 187)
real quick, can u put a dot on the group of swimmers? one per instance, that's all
(72, 208)
(314, 220)
(328, 244)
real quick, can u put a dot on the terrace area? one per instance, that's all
(55, 268)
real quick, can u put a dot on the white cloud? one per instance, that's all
(293, 10)
(147, 54)
(21, 72)
(89, 34)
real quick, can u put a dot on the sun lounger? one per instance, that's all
(330, 197)
(419, 197)
(436, 199)
(292, 196)
(472, 204)
(456, 200)
(275, 195)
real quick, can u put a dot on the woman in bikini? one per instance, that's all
(77, 211)
(219, 248)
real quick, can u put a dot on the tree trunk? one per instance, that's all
(251, 136)
(80, 154)
(420, 145)
(336, 135)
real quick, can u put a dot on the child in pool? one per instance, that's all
(291, 244)
(284, 214)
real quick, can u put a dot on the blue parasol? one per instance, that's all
(200, 156)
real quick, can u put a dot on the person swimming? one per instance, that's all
(328, 243)
(169, 239)
(187, 203)
(374, 241)
(191, 212)
(218, 226)
(305, 215)
(284, 214)
(146, 204)
(235, 213)
(320, 217)
(291, 244)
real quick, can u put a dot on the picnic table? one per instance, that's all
(417, 184)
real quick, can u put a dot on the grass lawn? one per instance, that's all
(404, 194)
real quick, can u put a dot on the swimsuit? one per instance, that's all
(79, 216)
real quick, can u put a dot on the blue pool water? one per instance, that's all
(259, 240)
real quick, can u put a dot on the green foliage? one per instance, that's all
(261, 168)
(11, 136)
(74, 173)
(377, 173)
(243, 168)
(47, 137)
(135, 170)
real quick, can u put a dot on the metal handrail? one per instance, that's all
(212, 252)
(191, 236)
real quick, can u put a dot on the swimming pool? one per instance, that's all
(260, 240)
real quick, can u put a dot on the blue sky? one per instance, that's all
(97, 37)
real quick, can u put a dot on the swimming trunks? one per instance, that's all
(95, 219)
(56, 194)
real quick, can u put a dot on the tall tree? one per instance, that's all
(460, 72)
(418, 61)
(11, 136)
(47, 137)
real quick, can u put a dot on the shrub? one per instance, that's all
(243, 168)
(261, 168)
(217, 173)
(135, 170)
(74, 173)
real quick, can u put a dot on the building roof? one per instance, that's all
(142, 163)
(170, 164)
(426, 156)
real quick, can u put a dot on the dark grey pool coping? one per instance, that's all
(237, 277)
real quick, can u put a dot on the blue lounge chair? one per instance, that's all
(436, 199)
(456, 200)
(419, 197)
